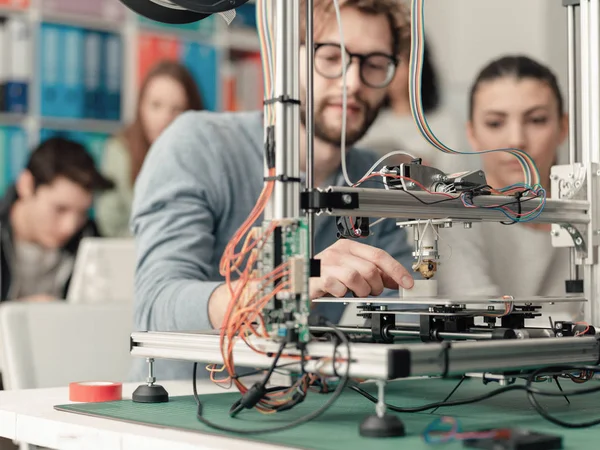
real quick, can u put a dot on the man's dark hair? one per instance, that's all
(430, 88)
(60, 157)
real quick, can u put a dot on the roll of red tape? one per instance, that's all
(95, 391)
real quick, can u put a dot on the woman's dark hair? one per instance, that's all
(58, 157)
(430, 91)
(520, 67)
(135, 135)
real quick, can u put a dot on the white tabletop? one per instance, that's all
(29, 416)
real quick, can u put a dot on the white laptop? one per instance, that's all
(104, 271)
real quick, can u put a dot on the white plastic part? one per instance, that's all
(422, 288)
(228, 16)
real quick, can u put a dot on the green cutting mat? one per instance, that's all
(338, 427)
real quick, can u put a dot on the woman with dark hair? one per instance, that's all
(395, 129)
(515, 102)
(168, 90)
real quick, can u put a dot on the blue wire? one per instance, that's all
(416, 103)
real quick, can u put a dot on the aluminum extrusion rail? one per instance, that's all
(381, 361)
(368, 202)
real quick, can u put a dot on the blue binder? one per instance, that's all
(50, 70)
(202, 61)
(72, 87)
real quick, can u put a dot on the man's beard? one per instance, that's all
(334, 136)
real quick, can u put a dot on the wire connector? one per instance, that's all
(249, 399)
(282, 99)
(283, 179)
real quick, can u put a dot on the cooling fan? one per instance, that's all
(181, 11)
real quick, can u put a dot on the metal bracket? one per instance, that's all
(380, 326)
(573, 182)
(318, 200)
(577, 238)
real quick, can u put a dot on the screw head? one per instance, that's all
(347, 199)
(578, 241)
(554, 233)
(559, 334)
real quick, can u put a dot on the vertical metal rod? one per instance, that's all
(381, 407)
(151, 378)
(572, 74)
(269, 211)
(293, 148)
(589, 63)
(310, 119)
(585, 81)
(572, 86)
(281, 72)
(594, 81)
(287, 149)
(594, 156)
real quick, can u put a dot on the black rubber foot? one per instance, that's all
(150, 394)
(386, 426)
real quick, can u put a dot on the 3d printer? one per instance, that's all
(272, 322)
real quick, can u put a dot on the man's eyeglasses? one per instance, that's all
(376, 69)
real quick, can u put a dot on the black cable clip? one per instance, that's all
(283, 179)
(285, 99)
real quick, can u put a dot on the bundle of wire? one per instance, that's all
(530, 171)
(252, 290)
(248, 294)
(527, 191)
(521, 192)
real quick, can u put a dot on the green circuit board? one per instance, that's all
(286, 314)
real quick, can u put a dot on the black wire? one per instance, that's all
(464, 377)
(518, 196)
(517, 202)
(256, 390)
(313, 415)
(439, 404)
(429, 203)
(528, 388)
(274, 365)
(542, 412)
(477, 191)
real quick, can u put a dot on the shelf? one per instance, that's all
(78, 20)
(86, 125)
(12, 118)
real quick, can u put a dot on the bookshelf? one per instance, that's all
(52, 85)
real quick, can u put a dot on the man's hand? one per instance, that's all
(349, 266)
(217, 305)
(346, 266)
